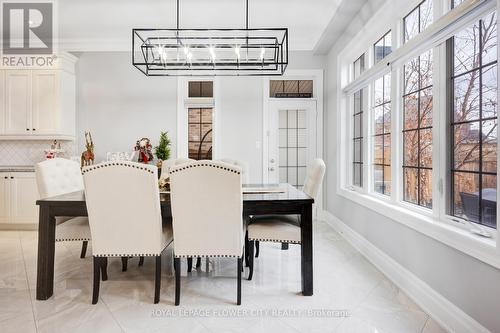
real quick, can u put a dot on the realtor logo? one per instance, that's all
(27, 28)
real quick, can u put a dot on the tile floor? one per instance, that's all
(350, 294)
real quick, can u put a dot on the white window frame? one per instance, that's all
(435, 222)
(184, 102)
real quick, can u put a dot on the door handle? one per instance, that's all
(34, 129)
(271, 169)
(272, 160)
(11, 177)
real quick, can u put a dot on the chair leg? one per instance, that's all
(284, 246)
(198, 262)
(250, 259)
(177, 265)
(190, 264)
(84, 249)
(240, 267)
(124, 264)
(104, 268)
(141, 261)
(247, 249)
(157, 279)
(257, 249)
(97, 279)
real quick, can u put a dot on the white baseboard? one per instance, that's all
(447, 314)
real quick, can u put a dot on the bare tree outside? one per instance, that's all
(417, 113)
(474, 122)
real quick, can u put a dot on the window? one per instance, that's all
(359, 66)
(430, 123)
(417, 131)
(473, 117)
(383, 47)
(417, 20)
(201, 89)
(417, 114)
(291, 88)
(200, 133)
(357, 159)
(357, 137)
(382, 135)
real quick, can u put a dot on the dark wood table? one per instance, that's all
(292, 201)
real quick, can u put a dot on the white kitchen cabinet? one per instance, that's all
(17, 111)
(23, 196)
(45, 110)
(38, 103)
(4, 197)
(2, 100)
(18, 195)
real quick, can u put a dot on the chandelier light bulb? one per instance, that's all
(212, 52)
(262, 52)
(237, 51)
(163, 55)
(186, 50)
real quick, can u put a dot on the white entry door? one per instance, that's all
(292, 140)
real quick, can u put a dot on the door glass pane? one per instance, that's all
(293, 145)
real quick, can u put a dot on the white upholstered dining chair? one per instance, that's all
(167, 164)
(207, 206)
(245, 179)
(123, 204)
(283, 228)
(60, 176)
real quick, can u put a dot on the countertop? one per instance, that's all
(17, 168)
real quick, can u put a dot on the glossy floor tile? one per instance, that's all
(350, 294)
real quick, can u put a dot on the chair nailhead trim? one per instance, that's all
(108, 164)
(128, 255)
(134, 254)
(71, 239)
(203, 164)
(207, 256)
(274, 240)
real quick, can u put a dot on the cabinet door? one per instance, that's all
(17, 101)
(45, 108)
(4, 197)
(24, 194)
(2, 102)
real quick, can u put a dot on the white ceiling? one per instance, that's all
(91, 25)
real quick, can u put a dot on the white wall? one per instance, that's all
(241, 122)
(119, 105)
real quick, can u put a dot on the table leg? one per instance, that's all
(306, 250)
(46, 250)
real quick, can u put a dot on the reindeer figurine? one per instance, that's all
(88, 155)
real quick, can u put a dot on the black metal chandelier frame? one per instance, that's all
(210, 52)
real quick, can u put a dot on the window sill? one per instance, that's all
(481, 248)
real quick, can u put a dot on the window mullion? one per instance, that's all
(366, 144)
(498, 144)
(396, 136)
(440, 131)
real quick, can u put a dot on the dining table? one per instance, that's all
(258, 199)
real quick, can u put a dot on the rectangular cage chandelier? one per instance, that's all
(210, 52)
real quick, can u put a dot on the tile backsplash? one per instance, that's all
(30, 152)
